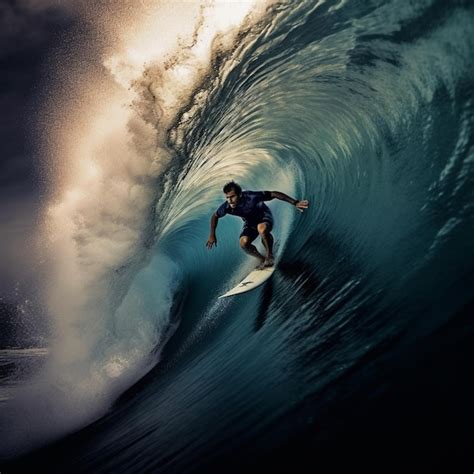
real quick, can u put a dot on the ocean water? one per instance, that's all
(365, 329)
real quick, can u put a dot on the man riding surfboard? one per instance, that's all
(257, 217)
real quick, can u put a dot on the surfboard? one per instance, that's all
(253, 280)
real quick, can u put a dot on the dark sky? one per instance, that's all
(31, 33)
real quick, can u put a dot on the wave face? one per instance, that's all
(364, 109)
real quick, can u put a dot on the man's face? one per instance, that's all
(232, 198)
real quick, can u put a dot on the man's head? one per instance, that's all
(232, 193)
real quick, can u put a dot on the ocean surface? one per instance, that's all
(365, 330)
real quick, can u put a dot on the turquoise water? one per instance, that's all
(366, 110)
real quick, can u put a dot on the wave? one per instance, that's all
(359, 108)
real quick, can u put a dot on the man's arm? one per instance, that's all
(299, 204)
(212, 236)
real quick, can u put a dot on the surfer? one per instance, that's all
(257, 217)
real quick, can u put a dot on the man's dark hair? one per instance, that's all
(232, 186)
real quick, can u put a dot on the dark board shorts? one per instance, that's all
(252, 231)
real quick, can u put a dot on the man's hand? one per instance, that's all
(211, 241)
(302, 205)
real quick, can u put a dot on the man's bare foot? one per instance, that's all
(269, 262)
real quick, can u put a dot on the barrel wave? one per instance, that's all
(366, 110)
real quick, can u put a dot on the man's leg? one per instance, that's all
(246, 244)
(267, 239)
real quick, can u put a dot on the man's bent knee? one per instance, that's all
(263, 228)
(245, 242)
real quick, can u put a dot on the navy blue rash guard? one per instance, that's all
(250, 208)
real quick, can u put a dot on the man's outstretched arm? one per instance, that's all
(299, 204)
(212, 240)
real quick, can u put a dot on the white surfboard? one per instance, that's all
(253, 280)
